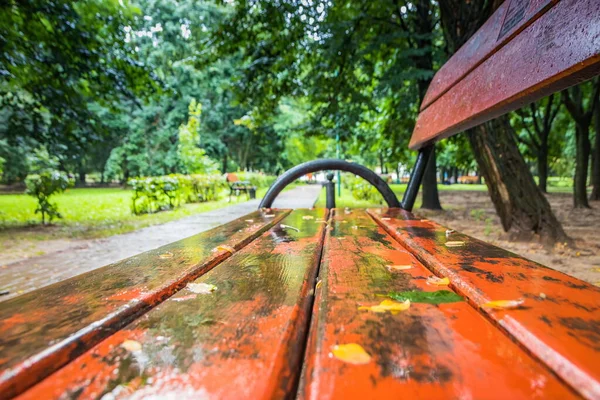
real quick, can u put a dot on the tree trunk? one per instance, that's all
(595, 196)
(521, 206)
(424, 28)
(581, 167)
(542, 161)
(224, 165)
(431, 198)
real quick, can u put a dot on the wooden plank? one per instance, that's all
(244, 340)
(559, 322)
(45, 329)
(558, 50)
(507, 21)
(428, 351)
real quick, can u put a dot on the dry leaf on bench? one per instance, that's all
(201, 288)
(455, 243)
(503, 304)
(224, 247)
(131, 345)
(351, 353)
(388, 305)
(434, 280)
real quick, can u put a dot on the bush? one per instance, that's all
(157, 193)
(363, 190)
(43, 185)
(257, 179)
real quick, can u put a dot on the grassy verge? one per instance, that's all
(347, 200)
(92, 213)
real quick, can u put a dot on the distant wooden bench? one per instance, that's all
(237, 187)
(469, 180)
(260, 307)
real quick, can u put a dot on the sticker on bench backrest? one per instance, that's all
(514, 15)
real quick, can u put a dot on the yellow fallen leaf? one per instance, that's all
(398, 267)
(224, 247)
(434, 280)
(388, 305)
(269, 215)
(354, 227)
(503, 304)
(351, 353)
(596, 269)
(308, 217)
(131, 345)
(597, 283)
(319, 284)
(455, 243)
(385, 219)
(201, 288)
(166, 255)
(250, 221)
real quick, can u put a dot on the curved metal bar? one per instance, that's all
(329, 164)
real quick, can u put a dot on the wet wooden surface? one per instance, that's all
(428, 351)
(559, 321)
(559, 49)
(507, 21)
(43, 330)
(245, 339)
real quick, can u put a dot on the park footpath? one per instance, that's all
(27, 275)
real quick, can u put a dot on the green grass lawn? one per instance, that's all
(87, 213)
(91, 213)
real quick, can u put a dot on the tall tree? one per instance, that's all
(537, 120)
(57, 58)
(575, 101)
(350, 58)
(521, 206)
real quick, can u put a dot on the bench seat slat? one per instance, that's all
(559, 49)
(560, 319)
(428, 351)
(244, 340)
(42, 330)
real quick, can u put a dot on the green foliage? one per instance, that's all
(362, 190)
(437, 297)
(159, 193)
(43, 185)
(257, 179)
(193, 158)
(45, 181)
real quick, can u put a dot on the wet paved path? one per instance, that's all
(30, 274)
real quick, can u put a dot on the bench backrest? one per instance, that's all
(232, 178)
(528, 49)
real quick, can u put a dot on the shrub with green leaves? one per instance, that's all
(257, 179)
(158, 193)
(363, 190)
(43, 185)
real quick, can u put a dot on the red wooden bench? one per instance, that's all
(237, 187)
(283, 304)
